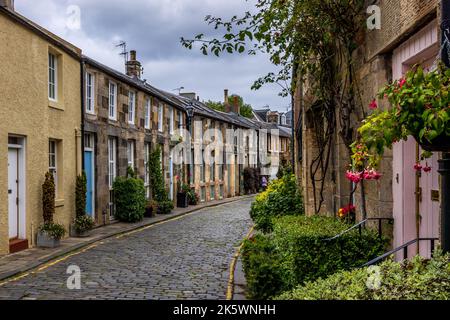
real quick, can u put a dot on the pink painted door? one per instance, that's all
(422, 49)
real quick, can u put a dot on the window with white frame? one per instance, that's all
(130, 154)
(131, 106)
(160, 118)
(171, 120)
(148, 110)
(112, 172)
(112, 101)
(52, 162)
(52, 77)
(147, 170)
(90, 93)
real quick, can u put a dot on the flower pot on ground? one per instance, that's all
(151, 209)
(439, 144)
(165, 207)
(49, 235)
(194, 198)
(182, 200)
(82, 226)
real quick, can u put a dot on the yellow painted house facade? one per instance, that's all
(40, 116)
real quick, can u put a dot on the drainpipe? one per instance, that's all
(82, 73)
(444, 163)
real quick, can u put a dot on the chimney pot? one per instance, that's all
(236, 106)
(226, 101)
(133, 55)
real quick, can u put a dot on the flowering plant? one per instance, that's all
(420, 107)
(347, 212)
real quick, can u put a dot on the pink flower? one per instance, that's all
(354, 177)
(371, 175)
(373, 105)
(427, 169)
(402, 83)
(418, 167)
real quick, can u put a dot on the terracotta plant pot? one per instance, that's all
(439, 144)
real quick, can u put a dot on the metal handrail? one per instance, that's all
(359, 226)
(403, 247)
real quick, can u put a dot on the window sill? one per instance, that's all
(55, 105)
(59, 203)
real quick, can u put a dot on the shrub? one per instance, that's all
(262, 267)
(300, 252)
(83, 223)
(282, 197)
(194, 198)
(130, 201)
(80, 195)
(53, 230)
(418, 279)
(48, 198)
(165, 207)
(158, 190)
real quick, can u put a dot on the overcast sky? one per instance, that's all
(153, 28)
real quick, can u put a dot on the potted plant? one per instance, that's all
(194, 198)
(420, 107)
(151, 209)
(183, 195)
(83, 224)
(50, 233)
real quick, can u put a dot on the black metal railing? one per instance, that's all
(403, 248)
(360, 226)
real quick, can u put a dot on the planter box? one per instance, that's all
(182, 200)
(439, 144)
(149, 212)
(73, 233)
(44, 241)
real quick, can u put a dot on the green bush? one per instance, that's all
(48, 198)
(53, 230)
(80, 195)
(282, 197)
(301, 253)
(418, 279)
(165, 207)
(83, 224)
(158, 190)
(130, 200)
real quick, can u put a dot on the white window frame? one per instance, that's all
(160, 118)
(131, 107)
(130, 153)
(148, 112)
(180, 123)
(112, 101)
(52, 73)
(171, 120)
(112, 161)
(53, 161)
(90, 93)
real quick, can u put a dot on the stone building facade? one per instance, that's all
(380, 57)
(40, 132)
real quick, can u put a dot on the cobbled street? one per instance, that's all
(188, 258)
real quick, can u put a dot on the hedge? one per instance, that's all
(129, 198)
(282, 197)
(296, 252)
(418, 279)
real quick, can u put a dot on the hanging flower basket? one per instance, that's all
(439, 144)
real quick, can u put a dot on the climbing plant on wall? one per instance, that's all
(311, 42)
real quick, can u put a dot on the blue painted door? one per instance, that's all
(88, 167)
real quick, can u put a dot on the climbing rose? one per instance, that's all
(373, 105)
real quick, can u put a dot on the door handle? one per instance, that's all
(9, 191)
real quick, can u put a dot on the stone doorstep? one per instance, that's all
(21, 262)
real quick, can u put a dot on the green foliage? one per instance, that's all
(83, 224)
(53, 230)
(262, 266)
(418, 279)
(130, 200)
(194, 198)
(158, 189)
(419, 108)
(284, 169)
(297, 251)
(80, 195)
(246, 110)
(48, 198)
(131, 173)
(282, 197)
(165, 207)
(215, 105)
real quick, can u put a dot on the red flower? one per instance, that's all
(354, 177)
(402, 83)
(373, 105)
(427, 169)
(418, 167)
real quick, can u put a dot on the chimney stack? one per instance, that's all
(133, 66)
(236, 105)
(8, 4)
(226, 101)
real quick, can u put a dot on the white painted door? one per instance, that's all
(13, 193)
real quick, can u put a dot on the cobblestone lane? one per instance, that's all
(187, 258)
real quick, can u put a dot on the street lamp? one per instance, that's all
(190, 116)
